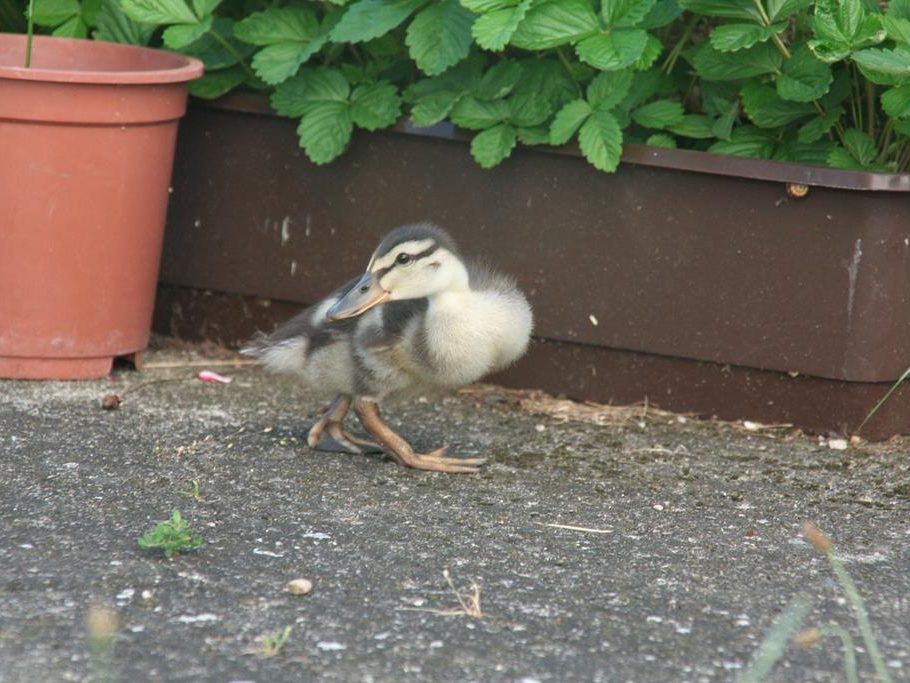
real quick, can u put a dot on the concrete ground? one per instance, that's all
(686, 542)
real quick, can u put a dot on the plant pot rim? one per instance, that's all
(97, 62)
(659, 157)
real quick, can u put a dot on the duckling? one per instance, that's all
(420, 320)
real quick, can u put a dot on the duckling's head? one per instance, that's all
(411, 262)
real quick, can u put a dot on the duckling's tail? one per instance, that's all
(278, 355)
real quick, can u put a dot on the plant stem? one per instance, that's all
(849, 649)
(900, 380)
(30, 30)
(232, 50)
(870, 108)
(885, 140)
(565, 62)
(673, 56)
(766, 20)
(862, 616)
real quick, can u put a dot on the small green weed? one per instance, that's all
(271, 644)
(193, 491)
(172, 536)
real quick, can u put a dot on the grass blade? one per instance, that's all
(776, 640)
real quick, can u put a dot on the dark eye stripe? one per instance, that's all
(415, 257)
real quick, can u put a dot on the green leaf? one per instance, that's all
(658, 114)
(159, 11)
(733, 37)
(493, 30)
(309, 89)
(663, 13)
(216, 83)
(625, 13)
(439, 36)
(548, 78)
(90, 11)
(375, 105)
(493, 145)
(276, 63)
(368, 19)
(818, 127)
(731, 9)
(815, 153)
(114, 26)
(899, 9)
(613, 51)
(696, 126)
(782, 9)
(72, 28)
(325, 131)
(804, 78)
(896, 101)
(278, 25)
(609, 89)
(433, 98)
(469, 112)
(213, 52)
(538, 135)
(767, 110)
(291, 35)
(481, 6)
(860, 145)
(897, 29)
(661, 140)
(841, 158)
(600, 139)
(499, 80)
(829, 53)
(180, 35)
(528, 110)
(723, 127)
(746, 141)
(896, 61)
(552, 23)
(55, 12)
(712, 65)
(653, 50)
(568, 120)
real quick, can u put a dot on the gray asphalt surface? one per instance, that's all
(689, 545)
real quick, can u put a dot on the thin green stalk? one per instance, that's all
(232, 50)
(674, 54)
(870, 108)
(862, 616)
(885, 140)
(30, 30)
(565, 62)
(849, 649)
(766, 20)
(900, 380)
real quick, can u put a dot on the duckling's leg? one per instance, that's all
(329, 435)
(400, 450)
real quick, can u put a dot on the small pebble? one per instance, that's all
(299, 586)
(837, 444)
(540, 428)
(110, 402)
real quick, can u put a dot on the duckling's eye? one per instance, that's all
(403, 259)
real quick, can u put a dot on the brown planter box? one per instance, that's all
(687, 278)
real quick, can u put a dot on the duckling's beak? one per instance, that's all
(365, 294)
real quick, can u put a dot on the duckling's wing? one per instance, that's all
(395, 321)
(306, 332)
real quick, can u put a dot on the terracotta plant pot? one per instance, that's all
(88, 136)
